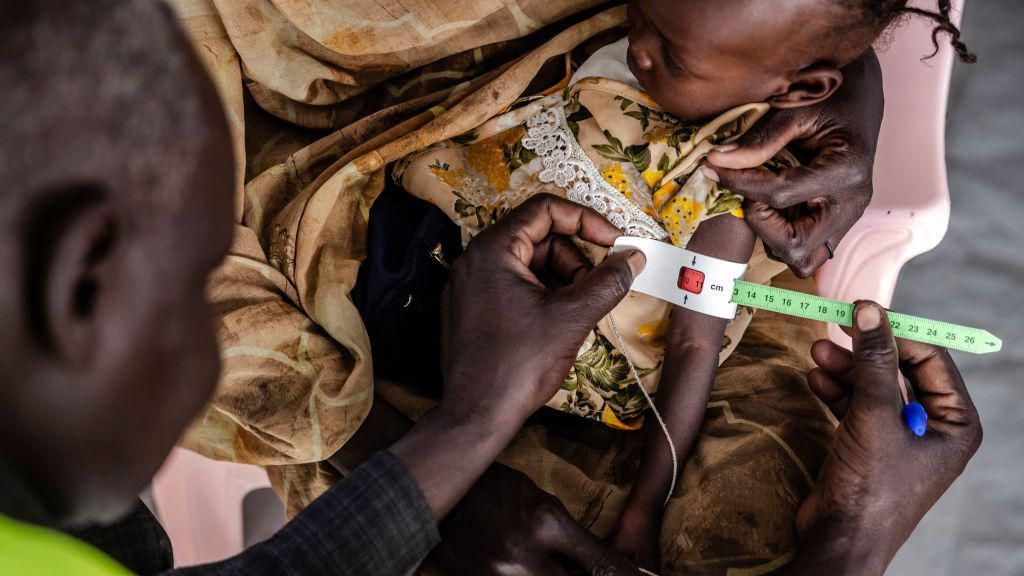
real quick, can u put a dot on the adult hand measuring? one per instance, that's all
(879, 479)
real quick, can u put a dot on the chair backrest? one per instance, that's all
(199, 503)
(909, 213)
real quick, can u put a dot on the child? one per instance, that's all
(628, 137)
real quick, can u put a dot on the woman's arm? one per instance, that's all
(691, 361)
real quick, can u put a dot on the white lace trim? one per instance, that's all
(567, 165)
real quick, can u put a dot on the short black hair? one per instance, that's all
(104, 93)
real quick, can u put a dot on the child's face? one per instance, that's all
(698, 58)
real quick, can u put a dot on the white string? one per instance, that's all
(654, 410)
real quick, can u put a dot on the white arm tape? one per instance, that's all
(663, 274)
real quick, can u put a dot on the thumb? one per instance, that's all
(875, 360)
(595, 294)
(759, 144)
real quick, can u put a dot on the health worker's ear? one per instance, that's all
(808, 86)
(72, 248)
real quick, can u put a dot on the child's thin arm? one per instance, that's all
(691, 362)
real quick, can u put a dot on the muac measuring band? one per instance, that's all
(714, 287)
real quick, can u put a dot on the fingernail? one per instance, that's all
(637, 261)
(869, 317)
(726, 147)
(709, 173)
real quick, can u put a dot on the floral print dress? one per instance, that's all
(609, 146)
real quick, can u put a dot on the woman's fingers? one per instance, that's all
(831, 357)
(834, 392)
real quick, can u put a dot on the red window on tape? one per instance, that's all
(691, 280)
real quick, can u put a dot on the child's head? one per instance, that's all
(697, 58)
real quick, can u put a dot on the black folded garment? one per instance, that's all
(398, 290)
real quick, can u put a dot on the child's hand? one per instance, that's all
(637, 536)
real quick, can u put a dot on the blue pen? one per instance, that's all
(916, 418)
(913, 413)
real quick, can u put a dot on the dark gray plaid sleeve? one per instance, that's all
(137, 541)
(375, 522)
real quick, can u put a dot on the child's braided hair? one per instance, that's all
(886, 12)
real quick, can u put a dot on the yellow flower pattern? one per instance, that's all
(654, 332)
(653, 176)
(609, 418)
(485, 157)
(614, 175)
(453, 178)
(680, 216)
(664, 193)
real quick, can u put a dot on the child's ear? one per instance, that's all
(809, 86)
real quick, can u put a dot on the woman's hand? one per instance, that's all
(879, 479)
(840, 134)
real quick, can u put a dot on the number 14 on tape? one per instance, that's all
(905, 326)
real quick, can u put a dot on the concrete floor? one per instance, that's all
(976, 277)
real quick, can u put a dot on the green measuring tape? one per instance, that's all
(905, 326)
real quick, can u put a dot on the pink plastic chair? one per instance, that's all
(200, 500)
(909, 213)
